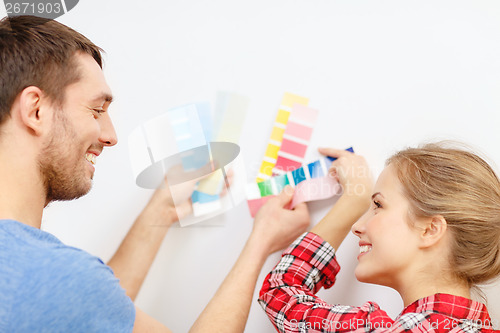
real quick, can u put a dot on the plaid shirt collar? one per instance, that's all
(450, 305)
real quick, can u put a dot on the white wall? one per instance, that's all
(384, 74)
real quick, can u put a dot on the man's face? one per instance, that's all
(81, 128)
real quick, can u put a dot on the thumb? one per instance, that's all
(286, 195)
(332, 152)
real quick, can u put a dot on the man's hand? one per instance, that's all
(174, 201)
(275, 226)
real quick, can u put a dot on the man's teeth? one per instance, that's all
(91, 158)
(364, 248)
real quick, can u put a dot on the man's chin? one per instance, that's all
(68, 195)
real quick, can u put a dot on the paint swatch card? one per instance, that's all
(165, 141)
(295, 138)
(229, 130)
(177, 146)
(311, 182)
(191, 130)
(206, 206)
(230, 115)
(278, 131)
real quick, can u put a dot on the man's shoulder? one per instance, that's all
(58, 285)
(31, 253)
(14, 234)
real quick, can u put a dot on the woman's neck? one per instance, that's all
(422, 289)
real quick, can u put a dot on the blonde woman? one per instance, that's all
(431, 232)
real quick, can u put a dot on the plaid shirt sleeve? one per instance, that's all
(287, 295)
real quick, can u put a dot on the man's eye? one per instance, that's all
(99, 111)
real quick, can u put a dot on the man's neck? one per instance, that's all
(22, 195)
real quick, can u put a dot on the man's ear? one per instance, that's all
(33, 109)
(432, 231)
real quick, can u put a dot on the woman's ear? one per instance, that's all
(31, 108)
(432, 231)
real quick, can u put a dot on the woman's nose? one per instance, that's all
(358, 228)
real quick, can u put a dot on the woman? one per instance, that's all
(431, 232)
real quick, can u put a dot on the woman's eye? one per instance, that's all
(99, 111)
(377, 204)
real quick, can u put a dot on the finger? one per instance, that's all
(333, 174)
(228, 182)
(332, 152)
(183, 210)
(286, 195)
(337, 171)
(225, 188)
(223, 192)
(230, 173)
(301, 208)
(230, 176)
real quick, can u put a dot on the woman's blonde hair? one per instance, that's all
(464, 189)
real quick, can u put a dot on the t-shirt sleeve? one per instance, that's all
(72, 292)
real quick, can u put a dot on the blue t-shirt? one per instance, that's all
(46, 286)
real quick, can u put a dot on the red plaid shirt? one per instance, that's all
(309, 263)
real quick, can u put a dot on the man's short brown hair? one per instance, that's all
(39, 52)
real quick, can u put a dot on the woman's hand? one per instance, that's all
(276, 226)
(354, 176)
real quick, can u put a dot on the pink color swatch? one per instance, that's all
(285, 164)
(304, 113)
(315, 189)
(298, 130)
(292, 147)
(307, 190)
(296, 137)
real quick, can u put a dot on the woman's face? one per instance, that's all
(388, 244)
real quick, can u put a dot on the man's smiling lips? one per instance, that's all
(91, 156)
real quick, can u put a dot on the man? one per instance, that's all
(54, 123)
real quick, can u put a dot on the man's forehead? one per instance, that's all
(92, 76)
